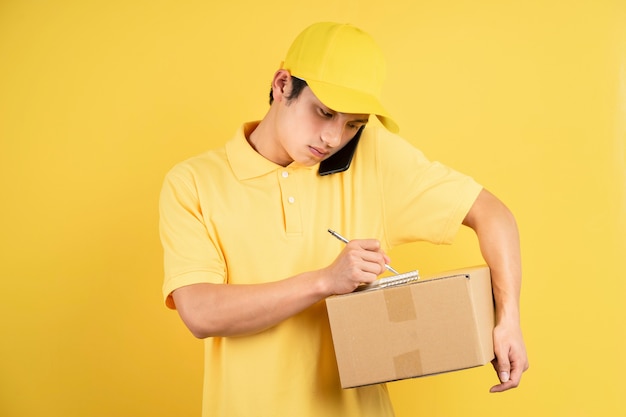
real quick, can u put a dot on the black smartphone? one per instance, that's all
(340, 161)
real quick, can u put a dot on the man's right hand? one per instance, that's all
(360, 262)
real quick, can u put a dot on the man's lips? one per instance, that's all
(318, 152)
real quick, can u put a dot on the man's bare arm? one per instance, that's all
(232, 310)
(498, 237)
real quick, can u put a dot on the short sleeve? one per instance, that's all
(190, 252)
(423, 200)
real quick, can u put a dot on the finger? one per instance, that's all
(516, 373)
(514, 378)
(502, 365)
(371, 269)
(503, 375)
(503, 387)
(372, 256)
(368, 244)
(371, 260)
(511, 383)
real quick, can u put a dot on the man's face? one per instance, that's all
(309, 132)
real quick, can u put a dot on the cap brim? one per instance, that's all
(346, 100)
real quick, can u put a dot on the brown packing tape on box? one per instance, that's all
(408, 364)
(440, 324)
(400, 306)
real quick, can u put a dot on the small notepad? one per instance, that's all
(391, 281)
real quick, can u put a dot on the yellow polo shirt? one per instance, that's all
(231, 216)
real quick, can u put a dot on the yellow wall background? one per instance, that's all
(99, 98)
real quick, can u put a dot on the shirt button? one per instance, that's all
(291, 200)
(285, 174)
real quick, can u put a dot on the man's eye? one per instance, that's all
(325, 114)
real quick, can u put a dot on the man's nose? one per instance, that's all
(332, 134)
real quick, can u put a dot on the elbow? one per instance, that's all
(191, 305)
(205, 326)
(199, 327)
(205, 316)
(199, 332)
(199, 324)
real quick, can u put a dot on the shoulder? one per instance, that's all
(212, 161)
(388, 148)
(197, 165)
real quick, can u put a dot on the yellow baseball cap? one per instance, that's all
(344, 68)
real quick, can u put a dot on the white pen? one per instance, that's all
(344, 240)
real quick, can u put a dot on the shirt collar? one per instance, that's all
(247, 163)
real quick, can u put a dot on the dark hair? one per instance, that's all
(297, 85)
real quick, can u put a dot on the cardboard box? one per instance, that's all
(438, 324)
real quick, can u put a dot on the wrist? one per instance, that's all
(507, 315)
(319, 283)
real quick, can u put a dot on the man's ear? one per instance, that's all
(281, 84)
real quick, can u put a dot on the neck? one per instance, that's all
(263, 141)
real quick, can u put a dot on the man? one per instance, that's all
(248, 261)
